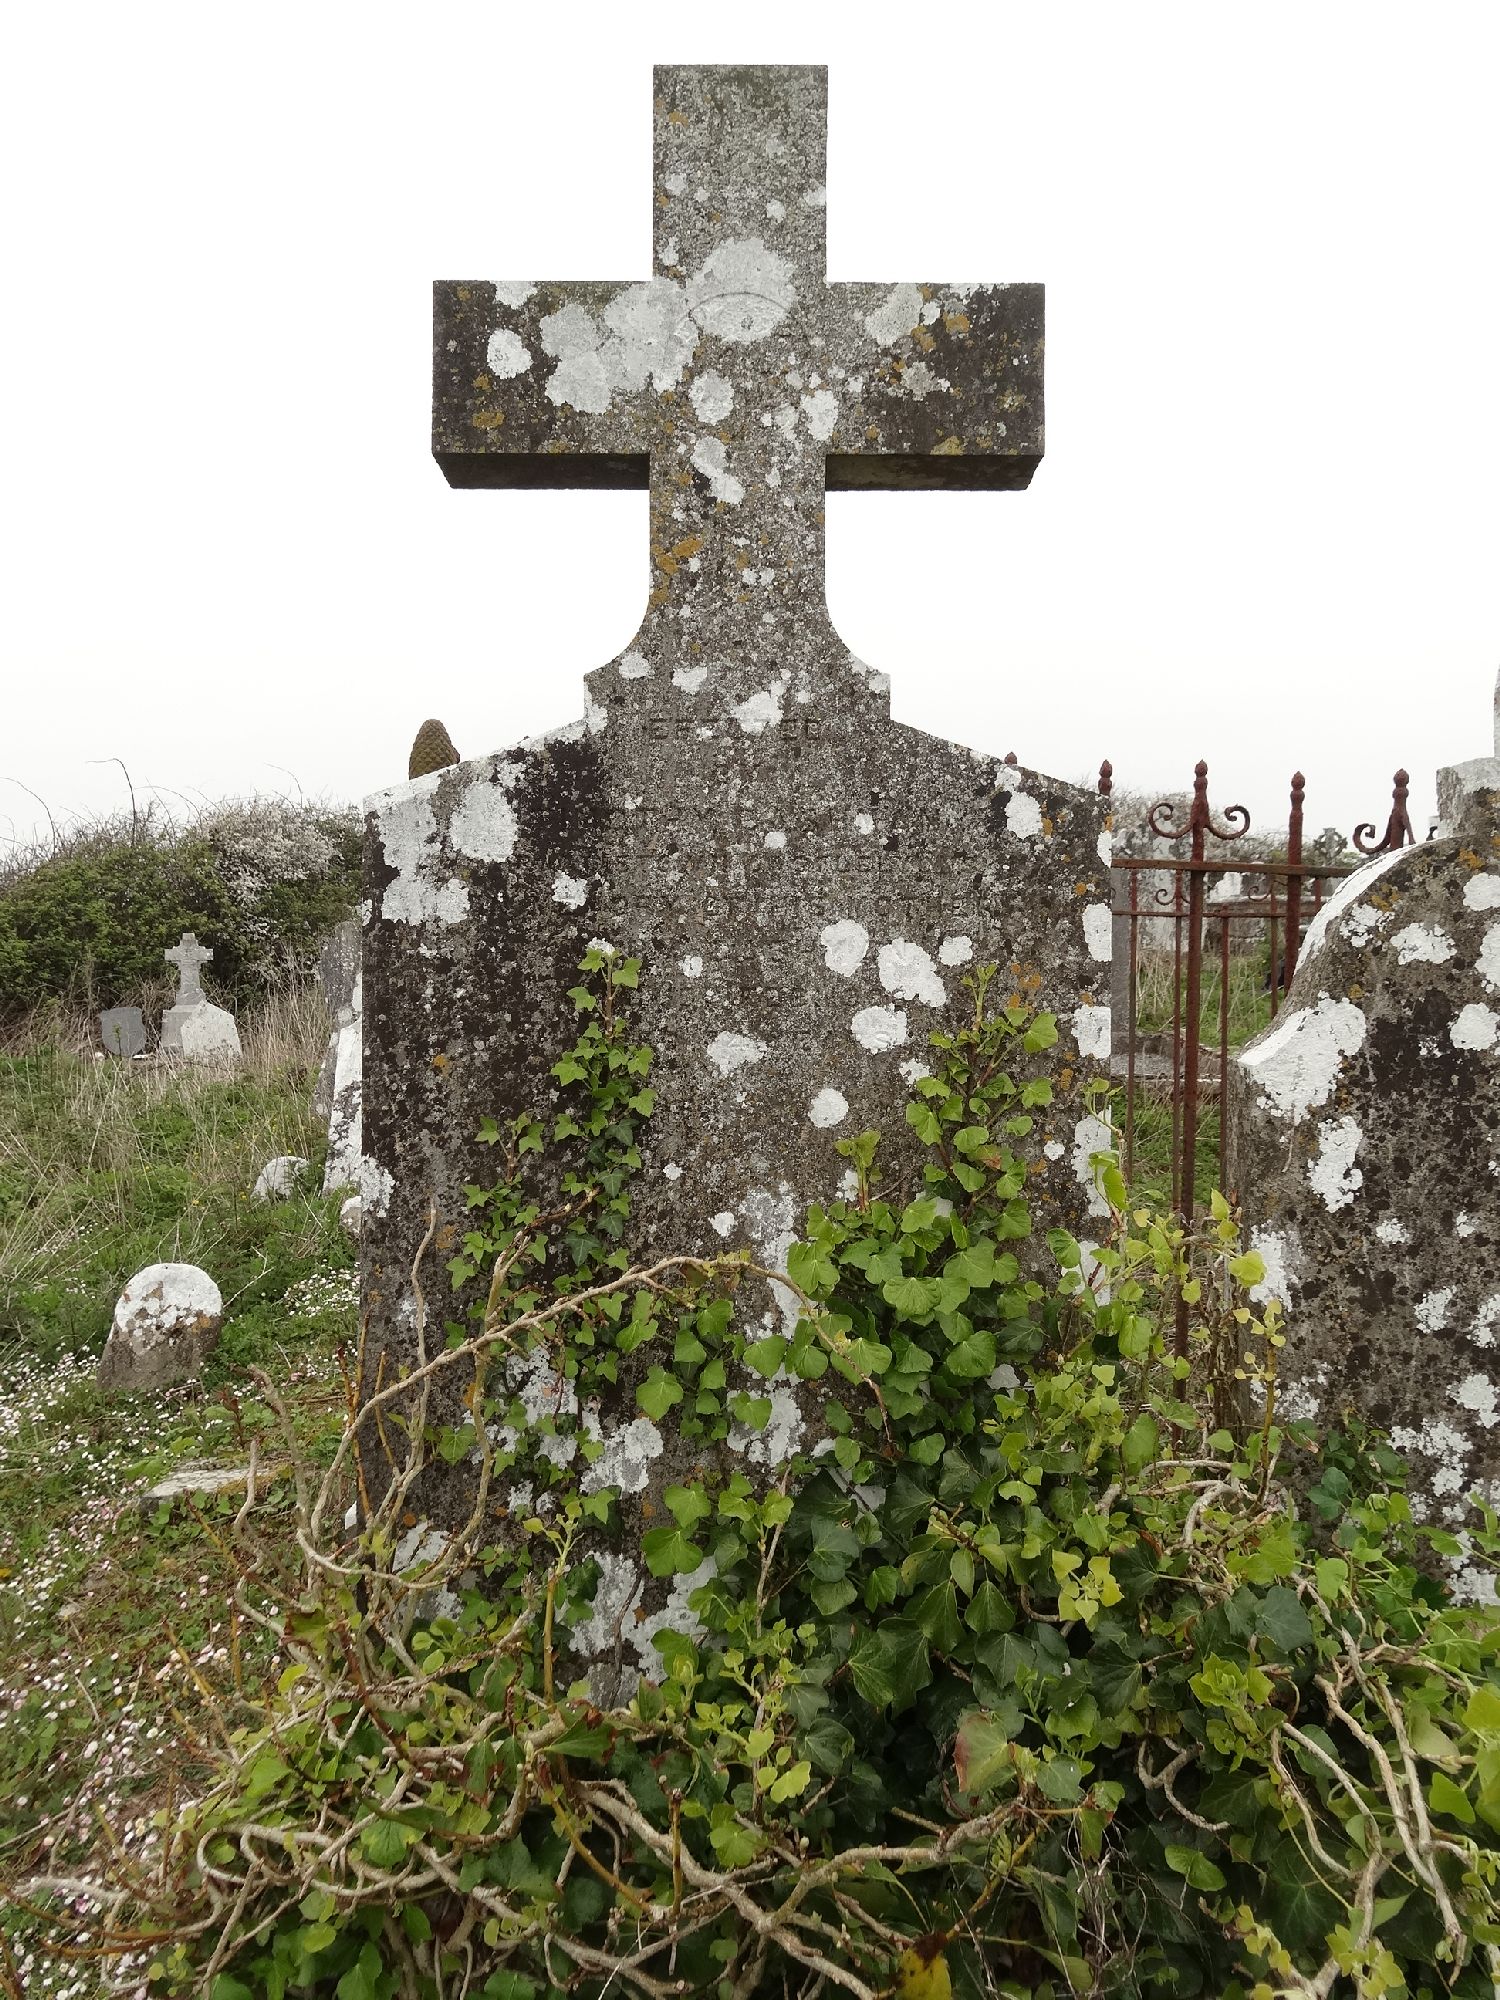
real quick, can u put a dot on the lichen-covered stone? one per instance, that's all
(337, 1098)
(278, 1178)
(1365, 1128)
(806, 882)
(166, 1323)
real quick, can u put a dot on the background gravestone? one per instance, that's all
(192, 1026)
(122, 1030)
(1365, 1126)
(336, 1099)
(805, 881)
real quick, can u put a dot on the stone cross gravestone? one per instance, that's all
(123, 1031)
(806, 882)
(1365, 1135)
(192, 1025)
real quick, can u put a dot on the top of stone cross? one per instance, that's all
(189, 957)
(1459, 784)
(736, 381)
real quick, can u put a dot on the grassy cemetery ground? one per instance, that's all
(111, 1612)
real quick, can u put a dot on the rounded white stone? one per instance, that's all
(278, 1178)
(351, 1214)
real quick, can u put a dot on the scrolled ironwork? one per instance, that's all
(1398, 831)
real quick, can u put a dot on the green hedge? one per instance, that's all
(262, 883)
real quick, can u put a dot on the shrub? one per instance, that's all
(1031, 1683)
(262, 881)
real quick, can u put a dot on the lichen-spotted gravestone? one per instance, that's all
(806, 882)
(1366, 1133)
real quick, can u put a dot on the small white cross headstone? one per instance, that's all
(192, 1025)
(189, 957)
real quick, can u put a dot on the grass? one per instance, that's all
(110, 1617)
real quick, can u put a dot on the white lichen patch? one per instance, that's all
(1488, 963)
(1054, 1149)
(1296, 1063)
(743, 292)
(692, 966)
(1392, 1231)
(1433, 1309)
(1482, 892)
(483, 825)
(830, 1107)
(424, 891)
(913, 1070)
(1023, 815)
(1278, 1253)
(1485, 1321)
(671, 1171)
(782, 1435)
(1465, 1224)
(844, 946)
(1091, 1031)
(1476, 1393)
(570, 890)
(729, 1052)
(774, 841)
(1332, 1174)
(908, 973)
(689, 679)
(900, 315)
(1422, 944)
(1092, 1136)
(634, 667)
(1098, 932)
(1437, 1439)
(1340, 908)
(761, 711)
(1104, 847)
(712, 397)
(723, 1222)
(1476, 1027)
(711, 458)
(512, 293)
(506, 355)
(771, 1224)
(626, 1460)
(821, 411)
(863, 823)
(956, 950)
(879, 1029)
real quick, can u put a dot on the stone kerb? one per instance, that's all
(1365, 1135)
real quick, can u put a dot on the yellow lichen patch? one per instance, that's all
(688, 546)
(742, 560)
(677, 118)
(667, 561)
(1065, 1077)
(1046, 826)
(949, 448)
(446, 1237)
(872, 433)
(657, 598)
(440, 1061)
(464, 294)
(923, 339)
(956, 322)
(482, 384)
(487, 420)
(1469, 858)
(1081, 888)
(1356, 991)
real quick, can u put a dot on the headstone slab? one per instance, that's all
(1365, 1138)
(336, 1099)
(122, 1030)
(1458, 784)
(806, 882)
(204, 1033)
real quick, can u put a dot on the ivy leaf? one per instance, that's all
(915, 1299)
(658, 1393)
(981, 1752)
(1041, 1034)
(1294, 1901)
(668, 1552)
(688, 1505)
(936, 1612)
(766, 1356)
(1194, 1867)
(1443, 1796)
(792, 1782)
(385, 1843)
(889, 1666)
(1283, 1621)
(861, 1358)
(754, 1412)
(972, 1357)
(735, 1845)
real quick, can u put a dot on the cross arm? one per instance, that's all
(942, 388)
(549, 384)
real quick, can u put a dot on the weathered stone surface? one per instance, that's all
(122, 1030)
(278, 1178)
(1365, 1126)
(337, 1097)
(351, 1214)
(805, 881)
(206, 1482)
(166, 1323)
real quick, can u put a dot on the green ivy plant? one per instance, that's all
(1024, 1679)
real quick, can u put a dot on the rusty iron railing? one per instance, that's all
(1178, 915)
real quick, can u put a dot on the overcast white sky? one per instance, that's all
(1266, 530)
